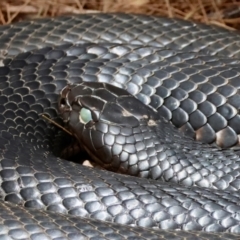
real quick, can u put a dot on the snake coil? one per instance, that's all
(187, 73)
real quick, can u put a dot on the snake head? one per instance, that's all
(98, 114)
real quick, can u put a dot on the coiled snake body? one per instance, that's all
(188, 73)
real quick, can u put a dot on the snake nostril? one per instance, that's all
(62, 103)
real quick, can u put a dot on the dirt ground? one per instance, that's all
(225, 13)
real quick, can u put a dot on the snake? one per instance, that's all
(155, 99)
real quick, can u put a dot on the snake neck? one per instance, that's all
(157, 150)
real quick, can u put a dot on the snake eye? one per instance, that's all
(85, 116)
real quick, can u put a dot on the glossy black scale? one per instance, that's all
(30, 174)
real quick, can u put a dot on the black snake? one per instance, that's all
(187, 72)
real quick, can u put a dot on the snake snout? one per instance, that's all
(64, 105)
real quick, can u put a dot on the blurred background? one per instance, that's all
(225, 13)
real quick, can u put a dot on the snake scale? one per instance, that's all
(187, 72)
